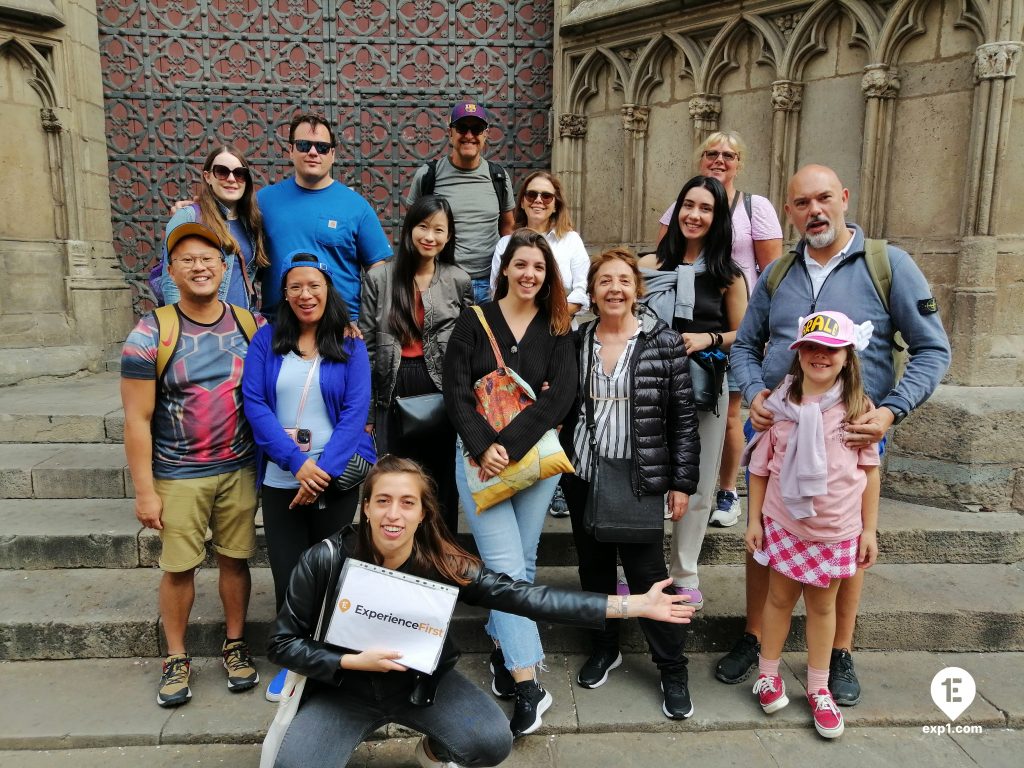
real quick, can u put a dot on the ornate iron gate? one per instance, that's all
(179, 75)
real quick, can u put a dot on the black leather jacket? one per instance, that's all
(292, 644)
(663, 418)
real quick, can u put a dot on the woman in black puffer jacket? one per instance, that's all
(635, 404)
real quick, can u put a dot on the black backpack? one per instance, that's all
(497, 180)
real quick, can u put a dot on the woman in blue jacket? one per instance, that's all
(306, 390)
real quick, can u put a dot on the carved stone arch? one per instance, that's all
(809, 37)
(620, 68)
(721, 54)
(975, 16)
(583, 83)
(905, 22)
(42, 79)
(646, 74)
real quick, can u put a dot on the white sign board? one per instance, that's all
(386, 610)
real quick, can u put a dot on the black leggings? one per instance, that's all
(290, 532)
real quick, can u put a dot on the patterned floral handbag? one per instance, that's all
(502, 395)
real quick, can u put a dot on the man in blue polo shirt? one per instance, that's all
(312, 212)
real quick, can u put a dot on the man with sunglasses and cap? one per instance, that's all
(311, 211)
(190, 450)
(479, 193)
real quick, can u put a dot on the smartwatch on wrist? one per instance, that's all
(898, 414)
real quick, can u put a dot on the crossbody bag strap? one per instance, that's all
(588, 399)
(490, 335)
(305, 390)
(328, 597)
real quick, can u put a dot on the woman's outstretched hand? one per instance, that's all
(654, 604)
(373, 661)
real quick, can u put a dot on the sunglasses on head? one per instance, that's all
(304, 145)
(222, 172)
(477, 129)
(532, 194)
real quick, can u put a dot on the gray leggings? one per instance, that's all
(464, 725)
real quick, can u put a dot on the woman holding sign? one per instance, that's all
(349, 693)
(528, 324)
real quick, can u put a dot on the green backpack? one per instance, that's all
(879, 268)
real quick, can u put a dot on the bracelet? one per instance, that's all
(624, 606)
(709, 333)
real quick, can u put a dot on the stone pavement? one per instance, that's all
(102, 712)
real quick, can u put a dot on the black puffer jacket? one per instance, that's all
(293, 646)
(666, 446)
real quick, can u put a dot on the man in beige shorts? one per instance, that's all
(190, 450)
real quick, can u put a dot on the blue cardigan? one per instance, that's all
(345, 388)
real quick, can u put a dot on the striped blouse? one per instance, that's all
(611, 396)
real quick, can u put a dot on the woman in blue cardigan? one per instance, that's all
(306, 390)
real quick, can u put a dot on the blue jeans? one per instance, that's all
(481, 290)
(506, 537)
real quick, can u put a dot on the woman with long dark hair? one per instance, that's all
(306, 390)
(709, 298)
(408, 310)
(529, 320)
(349, 694)
(226, 203)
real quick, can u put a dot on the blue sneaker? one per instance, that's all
(276, 686)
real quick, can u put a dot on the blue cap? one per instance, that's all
(466, 109)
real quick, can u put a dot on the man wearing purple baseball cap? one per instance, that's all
(479, 193)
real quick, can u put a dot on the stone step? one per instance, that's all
(64, 471)
(103, 533)
(81, 409)
(101, 613)
(102, 713)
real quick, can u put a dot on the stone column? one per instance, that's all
(705, 109)
(787, 98)
(572, 130)
(880, 86)
(634, 126)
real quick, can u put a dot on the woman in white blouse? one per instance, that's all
(540, 205)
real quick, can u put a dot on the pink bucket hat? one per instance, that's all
(830, 329)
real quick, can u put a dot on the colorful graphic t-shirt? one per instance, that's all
(198, 425)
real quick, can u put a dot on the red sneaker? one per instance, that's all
(828, 720)
(771, 692)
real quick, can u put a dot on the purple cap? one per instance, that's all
(466, 109)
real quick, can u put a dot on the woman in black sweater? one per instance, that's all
(530, 322)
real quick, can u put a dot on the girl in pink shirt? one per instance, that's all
(813, 504)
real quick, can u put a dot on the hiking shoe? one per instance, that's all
(694, 595)
(532, 701)
(502, 684)
(828, 720)
(427, 761)
(676, 704)
(842, 680)
(276, 686)
(735, 666)
(771, 693)
(594, 672)
(558, 506)
(727, 510)
(174, 690)
(242, 675)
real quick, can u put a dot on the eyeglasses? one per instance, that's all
(531, 195)
(304, 145)
(477, 129)
(222, 172)
(714, 154)
(315, 289)
(188, 262)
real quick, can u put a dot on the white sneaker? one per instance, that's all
(425, 760)
(727, 510)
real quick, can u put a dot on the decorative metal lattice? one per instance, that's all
(181, 75)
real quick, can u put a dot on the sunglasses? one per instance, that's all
(304, 145)
(714, 154)
(477, 129)
(222, 172)
(532, 194)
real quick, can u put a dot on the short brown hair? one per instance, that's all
(622, 254)
(312, 121)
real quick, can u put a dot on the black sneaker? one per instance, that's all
(502, 684)
(842, 680)
(677, 704)
(736, 665)
(594, 672)
(532, 701)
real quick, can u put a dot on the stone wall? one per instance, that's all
(61, 290)
(913, 102)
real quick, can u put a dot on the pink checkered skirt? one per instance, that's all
(809, 562)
